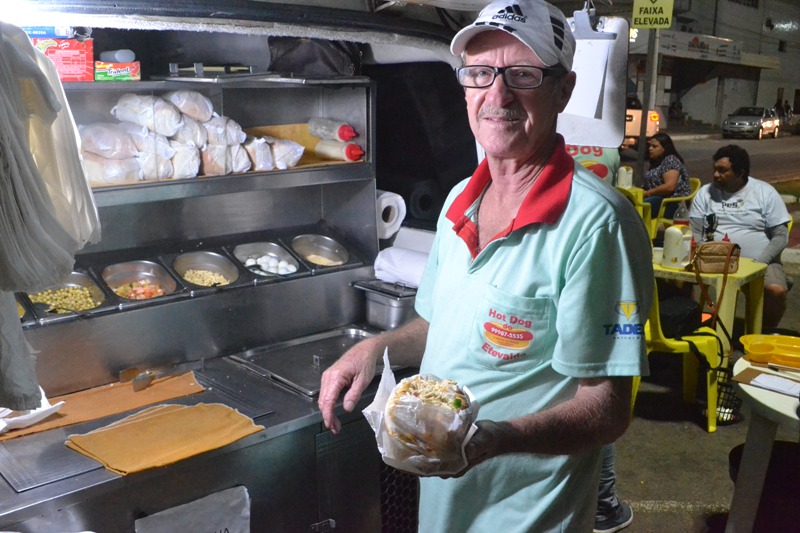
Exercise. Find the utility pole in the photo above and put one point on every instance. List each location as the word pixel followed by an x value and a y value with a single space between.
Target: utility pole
pixel 651 75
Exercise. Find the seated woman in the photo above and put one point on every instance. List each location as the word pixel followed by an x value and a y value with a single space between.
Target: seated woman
pixel 667 176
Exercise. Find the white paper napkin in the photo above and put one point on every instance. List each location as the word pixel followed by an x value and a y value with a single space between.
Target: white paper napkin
pixel 400 265
pixel 27 418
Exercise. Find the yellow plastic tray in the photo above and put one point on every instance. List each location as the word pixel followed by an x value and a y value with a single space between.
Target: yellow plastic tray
pixel 776 349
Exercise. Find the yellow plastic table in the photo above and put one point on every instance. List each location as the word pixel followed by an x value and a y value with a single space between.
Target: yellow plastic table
pixel 749 279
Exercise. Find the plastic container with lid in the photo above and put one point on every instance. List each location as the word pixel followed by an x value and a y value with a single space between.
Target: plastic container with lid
pixel 677 247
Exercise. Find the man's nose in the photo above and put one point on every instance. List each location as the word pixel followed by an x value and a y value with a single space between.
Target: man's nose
pixel 498 88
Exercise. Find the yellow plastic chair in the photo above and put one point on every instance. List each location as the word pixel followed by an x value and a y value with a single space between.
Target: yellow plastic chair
pixel 643 208
pixel 660 218
pixel 705 340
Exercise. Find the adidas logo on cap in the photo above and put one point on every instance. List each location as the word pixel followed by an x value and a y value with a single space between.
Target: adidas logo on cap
pixel 512 13
pixel 536 23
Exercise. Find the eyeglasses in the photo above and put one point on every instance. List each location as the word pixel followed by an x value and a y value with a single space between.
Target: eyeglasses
pixel 516 77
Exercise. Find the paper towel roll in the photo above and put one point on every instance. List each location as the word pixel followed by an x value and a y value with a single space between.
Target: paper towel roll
pixel 391 210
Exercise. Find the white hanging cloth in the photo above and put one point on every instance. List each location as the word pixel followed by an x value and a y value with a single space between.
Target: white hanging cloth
pixel 47 212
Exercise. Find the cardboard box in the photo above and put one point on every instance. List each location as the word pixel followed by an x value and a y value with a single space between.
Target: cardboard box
pixel 104 71
pixel 74 59
pixel 52 32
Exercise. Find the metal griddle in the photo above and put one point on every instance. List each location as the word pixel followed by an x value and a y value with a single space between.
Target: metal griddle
pixel 299 363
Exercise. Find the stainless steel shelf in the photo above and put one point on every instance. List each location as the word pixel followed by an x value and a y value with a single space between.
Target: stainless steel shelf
pixel 252 181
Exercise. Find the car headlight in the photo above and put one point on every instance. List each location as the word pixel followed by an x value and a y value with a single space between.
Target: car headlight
pixel 724 122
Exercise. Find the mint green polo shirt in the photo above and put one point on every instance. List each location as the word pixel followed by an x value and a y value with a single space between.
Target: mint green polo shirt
pixel 563 293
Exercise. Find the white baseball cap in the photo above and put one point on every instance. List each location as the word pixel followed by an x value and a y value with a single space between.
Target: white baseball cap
pixel 538 25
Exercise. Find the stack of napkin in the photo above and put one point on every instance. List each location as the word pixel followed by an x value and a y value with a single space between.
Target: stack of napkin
pixel 163 434
pixel 400 265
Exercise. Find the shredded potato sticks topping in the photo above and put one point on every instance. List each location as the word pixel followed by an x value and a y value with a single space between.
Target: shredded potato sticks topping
pixel 444 393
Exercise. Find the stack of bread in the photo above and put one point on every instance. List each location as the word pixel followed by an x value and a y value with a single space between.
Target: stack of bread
pixel 174 136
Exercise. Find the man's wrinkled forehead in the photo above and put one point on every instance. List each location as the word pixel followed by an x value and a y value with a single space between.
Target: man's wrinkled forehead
pixel 502 42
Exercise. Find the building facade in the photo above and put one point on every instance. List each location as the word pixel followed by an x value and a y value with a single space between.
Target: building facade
pixel 722 54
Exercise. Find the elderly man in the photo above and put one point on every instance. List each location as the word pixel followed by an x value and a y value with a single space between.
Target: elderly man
pixel 751 213
pixel 535 244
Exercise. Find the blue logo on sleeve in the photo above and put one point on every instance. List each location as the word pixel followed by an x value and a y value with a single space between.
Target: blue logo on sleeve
pixel 628 310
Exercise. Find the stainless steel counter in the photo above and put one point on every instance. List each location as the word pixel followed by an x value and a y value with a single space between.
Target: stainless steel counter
pixel 68 490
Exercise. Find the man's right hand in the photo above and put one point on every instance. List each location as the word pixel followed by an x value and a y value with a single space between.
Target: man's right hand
pixel 355 369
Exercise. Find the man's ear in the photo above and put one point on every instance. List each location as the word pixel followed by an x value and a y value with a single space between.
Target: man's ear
pixel 564 90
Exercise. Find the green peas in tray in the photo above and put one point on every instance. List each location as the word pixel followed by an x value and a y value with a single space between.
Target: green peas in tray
pixel 77 293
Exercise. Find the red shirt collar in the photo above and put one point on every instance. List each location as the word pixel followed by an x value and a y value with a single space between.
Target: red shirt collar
pixel 544 203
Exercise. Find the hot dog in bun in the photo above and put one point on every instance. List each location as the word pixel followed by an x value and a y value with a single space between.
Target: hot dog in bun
pixel 428 416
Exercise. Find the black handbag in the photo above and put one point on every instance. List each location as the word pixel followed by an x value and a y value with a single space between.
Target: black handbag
pixel 679 316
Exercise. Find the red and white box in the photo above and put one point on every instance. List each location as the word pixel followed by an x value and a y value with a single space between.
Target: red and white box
pixel 74 59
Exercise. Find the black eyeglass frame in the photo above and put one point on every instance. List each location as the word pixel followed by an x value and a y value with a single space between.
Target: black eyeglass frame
pixel 545 71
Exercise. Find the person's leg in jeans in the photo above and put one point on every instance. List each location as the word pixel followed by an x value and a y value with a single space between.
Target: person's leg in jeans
pixel 612 515
pixel 655 204
pixel 607 501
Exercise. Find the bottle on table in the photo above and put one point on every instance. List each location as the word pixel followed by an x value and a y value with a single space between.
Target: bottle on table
pixel 678 240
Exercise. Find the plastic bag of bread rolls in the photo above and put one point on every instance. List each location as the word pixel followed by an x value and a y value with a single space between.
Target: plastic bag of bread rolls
pixel 186 161
pixel 285 153
pixel 214 160
pixel 148 141
pixel 239 160
pixel 102 171
pixel 191 103
pixel 154 166
pixel 223 130
pixel 107 139
pixel 152 112
pixel 260 153
pixel 191 132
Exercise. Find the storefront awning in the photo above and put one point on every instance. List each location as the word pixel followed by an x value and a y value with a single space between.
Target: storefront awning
pixel 701 47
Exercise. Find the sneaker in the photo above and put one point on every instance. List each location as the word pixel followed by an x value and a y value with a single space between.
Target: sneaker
pixel 620 519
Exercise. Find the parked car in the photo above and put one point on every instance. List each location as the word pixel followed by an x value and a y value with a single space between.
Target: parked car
pixel 753 122
pixel 633 121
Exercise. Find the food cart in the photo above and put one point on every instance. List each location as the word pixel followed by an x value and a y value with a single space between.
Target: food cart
pixel 317 215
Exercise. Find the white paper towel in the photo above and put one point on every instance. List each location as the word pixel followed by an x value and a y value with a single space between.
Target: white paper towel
pixel 400 265
pixel 414 239
pixel 391 210
pixel 14 420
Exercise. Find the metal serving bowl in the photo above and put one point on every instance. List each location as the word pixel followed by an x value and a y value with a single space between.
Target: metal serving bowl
pixel 137 272
pixel 52 303
pixel 266 258
pixel 206 261
pixel 320 250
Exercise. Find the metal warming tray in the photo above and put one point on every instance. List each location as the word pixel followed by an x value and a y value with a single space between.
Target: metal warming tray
pixel 389 305
pixel 299 363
